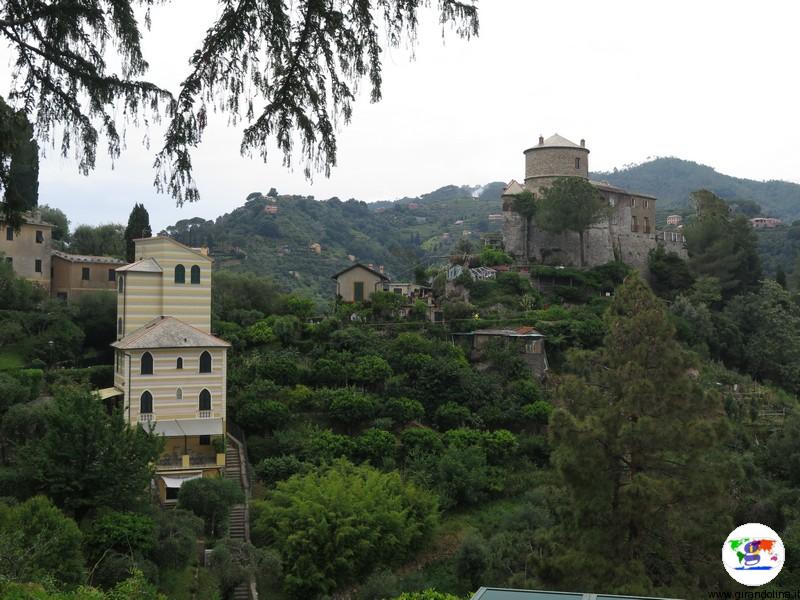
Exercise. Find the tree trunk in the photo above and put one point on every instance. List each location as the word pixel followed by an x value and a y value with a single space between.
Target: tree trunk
pixel 583 258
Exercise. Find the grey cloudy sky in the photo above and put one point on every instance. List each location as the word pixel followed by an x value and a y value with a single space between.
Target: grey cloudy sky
pixel 711 81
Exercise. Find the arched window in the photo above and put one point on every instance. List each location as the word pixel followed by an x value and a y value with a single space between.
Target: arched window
pixel 195 274
pixel 119 326
pixel 179 363
pixel 180 274
pixel 179 394
pixel 121 284
pixel 205 400
pixel 205 362
pixel 147 364
pixel 146 403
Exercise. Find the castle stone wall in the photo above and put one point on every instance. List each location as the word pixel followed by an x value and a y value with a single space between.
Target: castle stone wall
pixel 513 232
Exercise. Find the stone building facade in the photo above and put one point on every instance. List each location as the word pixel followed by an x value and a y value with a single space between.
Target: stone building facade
pixel 28 249
pixel 627 233
pixel 74 275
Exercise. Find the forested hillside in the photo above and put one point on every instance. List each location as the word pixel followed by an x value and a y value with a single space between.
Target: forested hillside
pixel 389 456
pixel 671 180
pixel 275 235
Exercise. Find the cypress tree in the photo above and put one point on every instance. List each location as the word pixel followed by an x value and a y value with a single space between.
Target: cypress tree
pixel 138 227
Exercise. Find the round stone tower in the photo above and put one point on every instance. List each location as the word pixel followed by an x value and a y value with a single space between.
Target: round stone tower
pixel 555 157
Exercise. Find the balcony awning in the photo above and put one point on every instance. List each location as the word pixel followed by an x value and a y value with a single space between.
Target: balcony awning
pixel 176 482
pixel 201 426
pixel 107 393
pixel 167 428
pixel 181 427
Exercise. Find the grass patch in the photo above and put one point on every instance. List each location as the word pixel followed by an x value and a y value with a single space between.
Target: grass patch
pixel 9 360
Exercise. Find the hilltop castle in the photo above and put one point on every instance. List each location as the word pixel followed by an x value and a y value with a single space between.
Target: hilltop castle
pixel 627 234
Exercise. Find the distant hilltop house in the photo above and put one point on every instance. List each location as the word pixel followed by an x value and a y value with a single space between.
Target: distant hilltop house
pixel 496 217
pixel 765 223
pixel 271 209
pixel 169 370
pixel 627 234
pixel 528 342
pixel 357 283
pixel 315 248
pixel 674 220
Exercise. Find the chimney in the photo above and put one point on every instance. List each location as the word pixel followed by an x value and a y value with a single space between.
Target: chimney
pixel 380 268
pixel 541 139
pixel 583 143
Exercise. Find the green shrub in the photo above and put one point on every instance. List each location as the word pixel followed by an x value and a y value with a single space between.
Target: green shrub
pixel 210 499
pixel 277 468
pixel 538 412
pixel 376 446
pixel 333 526
pixel 420 439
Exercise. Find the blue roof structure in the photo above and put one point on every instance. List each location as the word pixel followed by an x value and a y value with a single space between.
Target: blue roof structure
pixel 506 594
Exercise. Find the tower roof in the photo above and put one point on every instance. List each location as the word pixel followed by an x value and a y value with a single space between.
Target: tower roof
pixel 169 332
pixel 557 141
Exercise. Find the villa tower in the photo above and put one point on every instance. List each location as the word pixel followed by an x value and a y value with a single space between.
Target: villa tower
pixel 169 369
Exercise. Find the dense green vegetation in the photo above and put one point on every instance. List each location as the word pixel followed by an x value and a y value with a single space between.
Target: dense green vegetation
pixel 389 461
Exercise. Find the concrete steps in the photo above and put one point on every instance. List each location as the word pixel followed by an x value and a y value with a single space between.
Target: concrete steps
pixel 237 525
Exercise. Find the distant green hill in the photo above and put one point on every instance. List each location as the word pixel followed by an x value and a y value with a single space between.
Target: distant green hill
pixel 671 180
pixel 275 236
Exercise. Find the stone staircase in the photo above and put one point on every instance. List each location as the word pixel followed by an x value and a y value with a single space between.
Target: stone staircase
pixel 239 525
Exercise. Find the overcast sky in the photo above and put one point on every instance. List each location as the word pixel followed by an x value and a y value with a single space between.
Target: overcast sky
pixel 714 81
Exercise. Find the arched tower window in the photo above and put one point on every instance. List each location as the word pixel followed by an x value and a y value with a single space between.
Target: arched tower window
pixel 205 400
pixel 119 326
pixel 180 274
pixel 147 364
pixel 179 394
pixel 121 284
pixel 146 403
pixel 205 362
pixel 179 363
pixel 195 274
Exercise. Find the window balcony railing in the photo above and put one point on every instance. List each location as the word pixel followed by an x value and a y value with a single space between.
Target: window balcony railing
pixel 204 414
pixel 146 417
pixel 193 459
